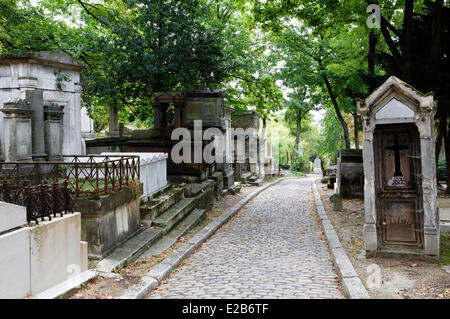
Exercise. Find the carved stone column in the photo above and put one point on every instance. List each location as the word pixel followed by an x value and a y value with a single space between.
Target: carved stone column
pixel 35 100
pixel 17 131
pixel 53 115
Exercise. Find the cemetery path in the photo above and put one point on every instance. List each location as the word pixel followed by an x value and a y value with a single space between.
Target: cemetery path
pixel 272 248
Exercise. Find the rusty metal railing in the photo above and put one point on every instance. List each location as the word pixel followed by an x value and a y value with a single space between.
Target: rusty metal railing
pixel 41 201
pixel 86 176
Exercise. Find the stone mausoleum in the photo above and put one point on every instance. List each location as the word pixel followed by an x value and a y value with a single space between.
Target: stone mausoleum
pixel 401 215
pixel 57 75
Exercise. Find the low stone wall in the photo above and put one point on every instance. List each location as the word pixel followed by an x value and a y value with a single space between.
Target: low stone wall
pixel 153 170
pixel 37 258
pixel 109 221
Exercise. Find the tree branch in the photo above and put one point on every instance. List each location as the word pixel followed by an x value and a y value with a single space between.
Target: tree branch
pixel 87 10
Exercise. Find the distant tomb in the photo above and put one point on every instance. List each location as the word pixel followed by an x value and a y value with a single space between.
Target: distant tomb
pixel 350 174
pixel 401 215
pixel 252 157
pixel 209 107
pixel 330 176
pixel 317 166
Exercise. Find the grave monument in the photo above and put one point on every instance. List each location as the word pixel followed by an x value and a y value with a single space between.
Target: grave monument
pixel 317 166
pixel 350 174
pixel 401 215
pixel 251 159
pixel 209 107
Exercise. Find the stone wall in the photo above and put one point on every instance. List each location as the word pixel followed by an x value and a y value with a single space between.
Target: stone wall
pixel 37 258
pixel 109 221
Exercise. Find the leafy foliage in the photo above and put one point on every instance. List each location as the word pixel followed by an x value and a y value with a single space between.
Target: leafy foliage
pixel 299 164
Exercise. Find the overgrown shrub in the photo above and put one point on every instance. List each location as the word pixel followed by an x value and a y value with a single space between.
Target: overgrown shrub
pixel 299 165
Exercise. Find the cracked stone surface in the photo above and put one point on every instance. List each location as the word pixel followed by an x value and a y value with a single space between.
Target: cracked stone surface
pixel 271 249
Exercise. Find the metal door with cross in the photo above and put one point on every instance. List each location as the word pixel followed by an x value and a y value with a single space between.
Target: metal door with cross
pixel 398 186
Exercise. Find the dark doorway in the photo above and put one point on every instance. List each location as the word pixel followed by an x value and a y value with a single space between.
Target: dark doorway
pixel 398 186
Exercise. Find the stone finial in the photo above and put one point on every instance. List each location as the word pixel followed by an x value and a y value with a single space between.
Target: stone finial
pixel 54 108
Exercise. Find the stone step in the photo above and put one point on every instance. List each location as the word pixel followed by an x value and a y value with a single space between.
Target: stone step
pixel 195 189
pixel 164 243
pixel 258 182
pixel 174 214
pixel 252 178
pixel 245 177
pixel 155 207
pixel 130 250
pixel 236 188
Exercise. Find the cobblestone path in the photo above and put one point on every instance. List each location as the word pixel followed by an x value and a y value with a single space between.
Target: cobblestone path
pixel 271 249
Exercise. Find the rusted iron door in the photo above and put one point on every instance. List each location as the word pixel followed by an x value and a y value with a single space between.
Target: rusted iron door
pixel 398 186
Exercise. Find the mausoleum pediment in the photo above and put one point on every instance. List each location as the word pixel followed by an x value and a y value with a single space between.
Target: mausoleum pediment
pixel 395 101
pixel 394 109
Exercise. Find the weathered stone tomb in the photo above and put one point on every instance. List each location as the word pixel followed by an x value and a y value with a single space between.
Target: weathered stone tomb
pixel 401 215
pixel 350 174
pixel 55 74
pixel 248 159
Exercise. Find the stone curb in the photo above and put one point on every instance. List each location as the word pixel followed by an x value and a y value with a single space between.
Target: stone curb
pixel 161 271
pixel 66 288
pixel 351 283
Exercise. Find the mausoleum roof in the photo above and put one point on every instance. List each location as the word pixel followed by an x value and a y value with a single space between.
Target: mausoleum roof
pixel 392 87
pixel 54 58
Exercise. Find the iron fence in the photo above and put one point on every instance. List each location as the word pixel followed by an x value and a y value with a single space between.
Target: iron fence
pixel 47 189
pixel 86 176
pixel 41 201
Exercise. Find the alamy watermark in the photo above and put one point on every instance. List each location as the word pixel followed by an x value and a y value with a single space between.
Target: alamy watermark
pixel 374 19
pixel 223 146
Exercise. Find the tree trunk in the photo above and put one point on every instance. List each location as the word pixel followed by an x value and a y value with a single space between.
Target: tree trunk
pixel 447 152
pixel 439 137
pixel 299 127
pixel 159 43
pixel 263 133
pixel 356 130
pixel 407 43
pixel 338 112
pixel 436 36
pixel 434 61
pixel 441 130
pixel 373 39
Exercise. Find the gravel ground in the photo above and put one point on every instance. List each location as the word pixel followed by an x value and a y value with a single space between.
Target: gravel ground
pixel 400 278
pixel 273 248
